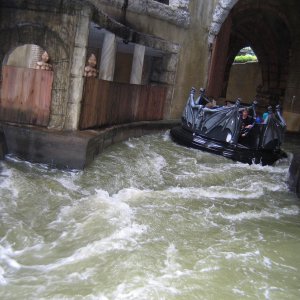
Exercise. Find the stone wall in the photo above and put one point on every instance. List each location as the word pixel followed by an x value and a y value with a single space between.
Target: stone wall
pixel 184 31
pixel 243 81
pixel 179 30
pixel 177 12
pixel 52 26
pixel 186 67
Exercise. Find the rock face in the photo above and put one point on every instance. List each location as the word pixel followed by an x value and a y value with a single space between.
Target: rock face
pixel 294 175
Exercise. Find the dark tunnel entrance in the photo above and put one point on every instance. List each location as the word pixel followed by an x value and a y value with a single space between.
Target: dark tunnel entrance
pixel 264 26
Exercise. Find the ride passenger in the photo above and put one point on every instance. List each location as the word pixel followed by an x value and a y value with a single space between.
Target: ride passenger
pixel 265 117
pixel 258 120
pixel 247 122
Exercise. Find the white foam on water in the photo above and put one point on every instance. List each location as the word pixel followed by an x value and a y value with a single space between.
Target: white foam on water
pixel 7 182
pixel 241 256
pixel 30 165
pixel 144 289
pixel 209 269
pixel 121 239
pixel 67 181
pixel 217 193
pixel 107 225
pixel 166 136
pixel 264 213
pixel 238 292
pixel 155 285
pixel 80 276
pixel 269 289
pixel 3 281
pixel 130 144
pixel 267 262
pixel 150 166
pixel 7 263
pixel 274 169
pixel 171 265
pixel 125 231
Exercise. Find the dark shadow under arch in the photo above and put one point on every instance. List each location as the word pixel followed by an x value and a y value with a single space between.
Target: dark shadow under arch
pixel 263 27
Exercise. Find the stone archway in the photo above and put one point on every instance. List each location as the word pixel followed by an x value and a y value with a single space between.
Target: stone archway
pixel 262 25
pixel 220 14
pixel 38 34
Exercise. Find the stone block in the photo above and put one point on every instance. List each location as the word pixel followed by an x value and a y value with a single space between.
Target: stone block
pixel 56 121
pixel 76 87
pixel 78 62
pixel 170 62
pixel 72 117
pixel 59 150
pixel 227 4
pixel 167 77
pixel 82 31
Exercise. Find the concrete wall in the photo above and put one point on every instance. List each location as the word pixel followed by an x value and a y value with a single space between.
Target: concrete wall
pixel 243 81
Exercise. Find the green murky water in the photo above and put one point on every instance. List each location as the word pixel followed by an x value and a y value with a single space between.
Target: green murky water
pixel 149 220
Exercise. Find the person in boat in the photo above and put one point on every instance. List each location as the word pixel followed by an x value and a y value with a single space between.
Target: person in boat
pixel 258 120
pixel 228 103
pixel 212 104
pixel 247 122
pixel 265 117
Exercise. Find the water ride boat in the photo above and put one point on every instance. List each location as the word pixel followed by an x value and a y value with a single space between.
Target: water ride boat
pixel 223 131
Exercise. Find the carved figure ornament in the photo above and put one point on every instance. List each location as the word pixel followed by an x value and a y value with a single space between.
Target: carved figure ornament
pixel 43 64
pixel 90 68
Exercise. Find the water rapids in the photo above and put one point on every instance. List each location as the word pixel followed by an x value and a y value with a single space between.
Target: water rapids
pixel 149 219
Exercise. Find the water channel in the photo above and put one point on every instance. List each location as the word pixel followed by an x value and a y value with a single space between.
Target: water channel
pixel 149 219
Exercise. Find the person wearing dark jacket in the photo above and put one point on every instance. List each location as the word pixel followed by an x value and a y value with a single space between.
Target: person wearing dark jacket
pixel 247 122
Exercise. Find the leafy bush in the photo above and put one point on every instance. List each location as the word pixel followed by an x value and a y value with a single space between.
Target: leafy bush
pixel 245 58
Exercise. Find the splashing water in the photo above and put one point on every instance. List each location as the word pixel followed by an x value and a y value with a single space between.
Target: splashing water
pixel 149 220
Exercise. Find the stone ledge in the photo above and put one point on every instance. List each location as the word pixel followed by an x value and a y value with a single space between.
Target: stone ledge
pixel 71 149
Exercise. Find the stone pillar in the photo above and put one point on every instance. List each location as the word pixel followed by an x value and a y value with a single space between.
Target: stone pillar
pixel 108 57
pixel 77 68
pixel 137 64
pixel 216 72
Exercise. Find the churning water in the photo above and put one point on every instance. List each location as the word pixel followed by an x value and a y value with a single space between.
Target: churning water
pixel 149 220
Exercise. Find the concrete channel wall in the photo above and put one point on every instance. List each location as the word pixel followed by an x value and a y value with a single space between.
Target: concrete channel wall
pixel 70 149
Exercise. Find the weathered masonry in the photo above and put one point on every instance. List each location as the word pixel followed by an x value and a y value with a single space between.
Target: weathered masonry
pixel 69 31
pixel 149 54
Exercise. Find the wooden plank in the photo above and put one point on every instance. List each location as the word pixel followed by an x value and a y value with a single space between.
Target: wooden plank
pixel 89 111
pixel 26 95
pixel 117 103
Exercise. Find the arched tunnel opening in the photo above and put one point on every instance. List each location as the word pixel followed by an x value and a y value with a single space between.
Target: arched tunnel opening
pixel 263 26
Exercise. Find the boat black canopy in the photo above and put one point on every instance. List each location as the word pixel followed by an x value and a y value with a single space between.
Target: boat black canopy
pixel 218 129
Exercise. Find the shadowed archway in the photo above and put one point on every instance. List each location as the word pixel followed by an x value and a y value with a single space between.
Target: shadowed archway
pixel 262 25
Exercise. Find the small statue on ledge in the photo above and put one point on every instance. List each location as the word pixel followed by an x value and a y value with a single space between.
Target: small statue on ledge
pixel 90 70
pixel 43 64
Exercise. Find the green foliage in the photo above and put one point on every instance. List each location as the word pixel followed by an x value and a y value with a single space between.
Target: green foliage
pixel 245 58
